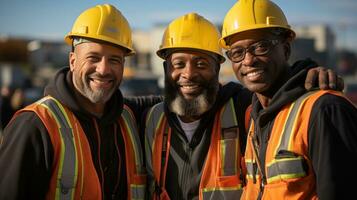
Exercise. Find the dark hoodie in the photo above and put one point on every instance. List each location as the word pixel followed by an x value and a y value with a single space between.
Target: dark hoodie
pixel 332 134
pixel 26 153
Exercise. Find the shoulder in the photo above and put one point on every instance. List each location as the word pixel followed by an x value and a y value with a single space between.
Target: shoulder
pixel 333 108
pixel 27 131
pixel 331 100
pixel 25 123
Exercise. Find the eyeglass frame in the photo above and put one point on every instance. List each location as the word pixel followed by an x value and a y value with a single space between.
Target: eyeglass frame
pixel 251 49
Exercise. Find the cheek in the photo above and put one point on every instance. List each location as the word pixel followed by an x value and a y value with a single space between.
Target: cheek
pixel 119 74
pixel 236 69
pixel 173 74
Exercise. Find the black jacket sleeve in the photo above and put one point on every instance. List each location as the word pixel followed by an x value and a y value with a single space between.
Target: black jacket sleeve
pixel 25 159
pixel 140 104
pixel 333 147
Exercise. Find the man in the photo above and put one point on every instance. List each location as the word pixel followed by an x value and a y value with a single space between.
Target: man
pixel 196 137
pixel 80 141
pixel 301 145
pixel 186 155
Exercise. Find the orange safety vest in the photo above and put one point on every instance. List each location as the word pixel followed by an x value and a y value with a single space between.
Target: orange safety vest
pixel 73 173
pixel 288 169
pixel 222 170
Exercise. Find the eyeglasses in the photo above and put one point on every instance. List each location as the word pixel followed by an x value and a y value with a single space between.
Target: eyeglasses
pixel 260 48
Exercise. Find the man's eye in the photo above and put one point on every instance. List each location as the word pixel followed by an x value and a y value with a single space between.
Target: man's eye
pixel 202 64
pixel 116 61
pixel 261 47
pixel 93 58
pixel 237 52
pixel 178 64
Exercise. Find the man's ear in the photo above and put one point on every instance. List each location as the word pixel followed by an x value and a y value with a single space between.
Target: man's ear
pixel 218 67
pixel 287 50
pixel 166 65
pixel 72 59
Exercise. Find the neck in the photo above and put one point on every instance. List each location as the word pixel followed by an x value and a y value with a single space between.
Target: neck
pixel 97 109
pixel 266 96
pixel 188 119
pixel 264 100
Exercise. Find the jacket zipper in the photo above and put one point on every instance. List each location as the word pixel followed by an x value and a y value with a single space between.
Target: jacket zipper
pixel 259 165
pixel 99 158
pixel 119 161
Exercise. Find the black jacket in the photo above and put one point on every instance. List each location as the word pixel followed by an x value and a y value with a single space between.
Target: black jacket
pixel 332 136
pixel 186 160
pixel 26 152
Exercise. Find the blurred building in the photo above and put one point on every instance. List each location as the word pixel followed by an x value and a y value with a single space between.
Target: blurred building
pixel 346 63
pixel 13 50
pixel 48 54
pixel 316 42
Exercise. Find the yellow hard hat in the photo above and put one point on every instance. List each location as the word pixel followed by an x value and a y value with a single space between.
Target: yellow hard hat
pixel 248 15
pixel 191 31
pixel 105 23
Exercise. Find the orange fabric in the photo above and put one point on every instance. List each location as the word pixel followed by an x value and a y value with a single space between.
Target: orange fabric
pixel 211 175
pixel 160 178
pixel 91 189
pixel 286 188
pixel 247 117
pixel 133 176
pixel 87 180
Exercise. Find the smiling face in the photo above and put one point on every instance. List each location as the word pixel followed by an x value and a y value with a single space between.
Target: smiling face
pixel 259 73
pixel 97 70
pixel 191 82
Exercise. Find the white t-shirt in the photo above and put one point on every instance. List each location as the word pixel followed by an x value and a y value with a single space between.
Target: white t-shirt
pixel 189 128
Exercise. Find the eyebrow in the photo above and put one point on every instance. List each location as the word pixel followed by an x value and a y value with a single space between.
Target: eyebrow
pixel 194 58
pixel 98 54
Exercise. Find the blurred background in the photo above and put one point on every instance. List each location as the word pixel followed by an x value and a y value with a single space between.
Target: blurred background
pixel 32 46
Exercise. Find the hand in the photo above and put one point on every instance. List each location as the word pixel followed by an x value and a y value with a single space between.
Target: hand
pixel 324 79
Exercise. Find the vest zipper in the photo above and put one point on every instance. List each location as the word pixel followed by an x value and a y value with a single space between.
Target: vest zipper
pixel 255 147
pixel 119 161
pixel 99 158
pixel 82 171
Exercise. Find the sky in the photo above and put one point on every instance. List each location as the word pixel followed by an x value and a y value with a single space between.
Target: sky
pixel 51 20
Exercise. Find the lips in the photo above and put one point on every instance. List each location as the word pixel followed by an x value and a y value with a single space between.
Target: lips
pixel 254 75
pixel 190 88
pixel 102 83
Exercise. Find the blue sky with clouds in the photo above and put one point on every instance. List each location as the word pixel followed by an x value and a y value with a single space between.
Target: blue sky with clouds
pixel 53 19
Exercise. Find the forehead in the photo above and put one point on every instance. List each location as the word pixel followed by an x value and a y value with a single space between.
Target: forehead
pixel 191 54
pixel 250 36
pixel 101 48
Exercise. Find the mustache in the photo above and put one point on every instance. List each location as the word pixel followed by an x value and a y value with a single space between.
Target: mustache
pixel 97 75
pixel 188 83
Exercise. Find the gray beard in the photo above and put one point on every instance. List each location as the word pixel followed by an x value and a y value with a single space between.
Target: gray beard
pixel 190 108
pixel 98 96
pixel 195 107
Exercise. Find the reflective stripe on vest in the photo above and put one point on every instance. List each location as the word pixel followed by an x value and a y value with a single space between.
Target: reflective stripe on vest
pixel 68 166
pixel 288 167
pixel 289 170
pixel 229 140
pixel 228 149
pixel 137 190
pixel 68 161
pixel 282 168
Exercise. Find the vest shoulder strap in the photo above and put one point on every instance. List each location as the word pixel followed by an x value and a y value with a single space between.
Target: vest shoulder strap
pixel 68 162
pixel 157 135
pixel 129 122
